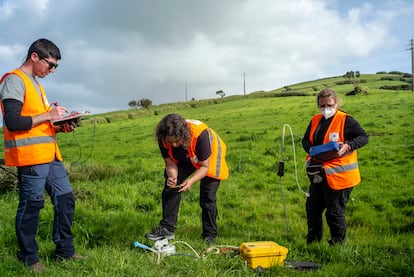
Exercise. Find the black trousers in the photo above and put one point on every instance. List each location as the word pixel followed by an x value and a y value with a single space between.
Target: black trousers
pixel 334 201
pixel 171 199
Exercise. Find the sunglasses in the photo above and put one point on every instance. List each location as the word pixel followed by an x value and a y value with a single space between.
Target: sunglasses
pixel 50 64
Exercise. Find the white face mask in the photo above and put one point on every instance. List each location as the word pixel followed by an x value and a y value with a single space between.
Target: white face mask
pixel 327 112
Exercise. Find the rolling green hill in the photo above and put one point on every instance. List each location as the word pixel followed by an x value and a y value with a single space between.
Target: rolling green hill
pixel 368 82
pixel 116 172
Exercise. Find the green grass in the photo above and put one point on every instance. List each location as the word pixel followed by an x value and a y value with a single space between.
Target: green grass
pixel 116 172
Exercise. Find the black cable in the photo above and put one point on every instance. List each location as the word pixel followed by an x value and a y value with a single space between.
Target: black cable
pixel 78 162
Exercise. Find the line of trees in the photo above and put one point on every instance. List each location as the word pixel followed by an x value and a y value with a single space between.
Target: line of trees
pixel 353 77
pixel 145 103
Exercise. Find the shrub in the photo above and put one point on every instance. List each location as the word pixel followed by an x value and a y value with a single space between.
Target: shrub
pixel 399 87
pixel 396 72
pixel 145 103
pixel 388 78
pixel 345 82
pixel 8 178
pixel 291 93
pixel 358 90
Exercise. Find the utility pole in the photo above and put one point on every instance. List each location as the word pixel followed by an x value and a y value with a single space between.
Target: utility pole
pixel 244 83
pixel 185 92
pixel 412 63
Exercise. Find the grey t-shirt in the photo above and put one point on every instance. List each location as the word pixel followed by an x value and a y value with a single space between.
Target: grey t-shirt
pixel 12 87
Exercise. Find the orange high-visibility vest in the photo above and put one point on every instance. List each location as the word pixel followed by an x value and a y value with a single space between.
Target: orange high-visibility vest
pixel 341 172
pixel 37 145
pixel 218 167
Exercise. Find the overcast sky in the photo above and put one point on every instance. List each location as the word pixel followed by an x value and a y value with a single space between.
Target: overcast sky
pixel 115 51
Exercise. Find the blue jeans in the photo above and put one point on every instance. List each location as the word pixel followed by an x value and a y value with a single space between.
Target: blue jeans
pixel 33 181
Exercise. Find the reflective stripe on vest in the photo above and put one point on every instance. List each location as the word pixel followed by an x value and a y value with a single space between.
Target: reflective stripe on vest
pixel 340 169
pixel 27 141
pixel 219 153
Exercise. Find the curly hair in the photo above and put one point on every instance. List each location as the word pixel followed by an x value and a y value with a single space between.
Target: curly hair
pixel 173 125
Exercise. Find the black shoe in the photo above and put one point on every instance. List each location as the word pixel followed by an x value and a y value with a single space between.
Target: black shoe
pixel 159 233
pixel 333 241
pixel 210 240
pixel 311 239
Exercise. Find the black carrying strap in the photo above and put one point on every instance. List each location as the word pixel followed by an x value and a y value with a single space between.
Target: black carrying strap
pixel 326 156
pixel 302 266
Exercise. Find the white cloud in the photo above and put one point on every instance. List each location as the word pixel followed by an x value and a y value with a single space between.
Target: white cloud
pixel 116 51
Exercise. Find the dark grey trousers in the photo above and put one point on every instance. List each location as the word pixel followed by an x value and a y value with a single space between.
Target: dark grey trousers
pixel 171 199
pixel 334 201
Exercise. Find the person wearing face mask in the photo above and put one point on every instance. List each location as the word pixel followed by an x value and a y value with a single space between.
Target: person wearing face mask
pixel 333 179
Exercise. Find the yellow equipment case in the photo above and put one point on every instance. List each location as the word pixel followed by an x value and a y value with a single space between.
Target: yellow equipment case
pixel 264 254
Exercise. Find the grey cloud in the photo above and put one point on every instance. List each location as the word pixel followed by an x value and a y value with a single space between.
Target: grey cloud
pixel 117 51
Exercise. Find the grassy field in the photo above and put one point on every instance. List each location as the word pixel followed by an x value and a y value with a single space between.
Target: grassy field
pixel 116 172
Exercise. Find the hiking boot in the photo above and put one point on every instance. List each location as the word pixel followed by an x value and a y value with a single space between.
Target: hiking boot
pixel 37 267
pixel 159 233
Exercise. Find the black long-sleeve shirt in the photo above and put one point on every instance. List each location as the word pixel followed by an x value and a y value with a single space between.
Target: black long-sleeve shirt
pixel 354 134
pixel 13 118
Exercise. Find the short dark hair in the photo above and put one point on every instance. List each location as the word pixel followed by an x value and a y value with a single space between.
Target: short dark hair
pixel 44 48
